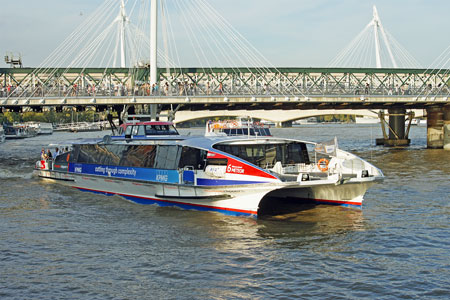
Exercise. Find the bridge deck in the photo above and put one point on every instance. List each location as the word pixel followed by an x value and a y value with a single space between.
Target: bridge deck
pixel 233 88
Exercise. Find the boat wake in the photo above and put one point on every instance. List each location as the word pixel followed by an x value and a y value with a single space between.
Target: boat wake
pixel 8 174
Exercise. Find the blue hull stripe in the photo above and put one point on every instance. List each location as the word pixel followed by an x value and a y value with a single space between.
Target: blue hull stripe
pixel 163 203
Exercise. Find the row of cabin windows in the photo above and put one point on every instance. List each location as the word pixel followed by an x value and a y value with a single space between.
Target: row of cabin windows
pixel 244 131
pixel 266 155
pixel 151 130
pixel 142 156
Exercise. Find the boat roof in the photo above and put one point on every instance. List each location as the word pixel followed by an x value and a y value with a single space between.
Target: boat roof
pixel 147 123
pixel 202 142
pixel 208 142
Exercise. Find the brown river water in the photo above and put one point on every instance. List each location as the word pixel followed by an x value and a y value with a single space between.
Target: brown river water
pixel 60 243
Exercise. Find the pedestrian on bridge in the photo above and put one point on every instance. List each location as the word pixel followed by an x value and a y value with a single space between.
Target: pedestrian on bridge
pixel 166 89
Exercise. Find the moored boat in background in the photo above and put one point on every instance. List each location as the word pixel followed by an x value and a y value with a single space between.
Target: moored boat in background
pixel 366 120
pixel 41 127
pixel 19 131
pixel 45 128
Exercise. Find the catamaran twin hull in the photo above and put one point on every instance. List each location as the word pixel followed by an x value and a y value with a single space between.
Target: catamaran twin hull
pixel 200 173
pixel 237 199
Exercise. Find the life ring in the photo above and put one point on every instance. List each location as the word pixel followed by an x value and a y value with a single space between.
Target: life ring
pixel 322 164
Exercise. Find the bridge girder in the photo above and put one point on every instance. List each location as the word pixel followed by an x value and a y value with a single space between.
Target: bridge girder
pixel 226 88
pixel 278 116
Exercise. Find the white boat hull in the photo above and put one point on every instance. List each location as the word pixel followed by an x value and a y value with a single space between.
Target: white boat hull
pixel 233 200
pixel 349 194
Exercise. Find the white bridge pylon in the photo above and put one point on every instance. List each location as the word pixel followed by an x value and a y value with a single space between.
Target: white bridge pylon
pixel 378 27
pixel 374 47
pixel 123 20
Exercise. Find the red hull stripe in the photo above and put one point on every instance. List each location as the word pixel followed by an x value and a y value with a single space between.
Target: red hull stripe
pixel 338 202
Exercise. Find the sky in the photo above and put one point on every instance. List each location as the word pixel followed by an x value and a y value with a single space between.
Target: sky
pixel 289 33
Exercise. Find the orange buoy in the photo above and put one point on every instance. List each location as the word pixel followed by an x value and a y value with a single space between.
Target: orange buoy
pixel 322 164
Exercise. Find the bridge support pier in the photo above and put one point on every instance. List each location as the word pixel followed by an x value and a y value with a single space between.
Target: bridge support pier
pixel 286 124
pixel 397 135
pixel 435 127
pixel 447 127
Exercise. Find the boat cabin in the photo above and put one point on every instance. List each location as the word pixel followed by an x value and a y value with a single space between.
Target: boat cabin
pixel 150 128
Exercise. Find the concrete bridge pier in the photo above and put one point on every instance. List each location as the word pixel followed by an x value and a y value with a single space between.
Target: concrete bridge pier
pixel 396 126
pixel 286 124
pixel 435 127
pixel 447 127
pixel 281 124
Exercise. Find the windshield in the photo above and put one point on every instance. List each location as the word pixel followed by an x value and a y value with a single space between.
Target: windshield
pixel 266 155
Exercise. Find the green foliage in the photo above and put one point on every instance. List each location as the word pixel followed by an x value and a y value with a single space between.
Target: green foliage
pixel 50 116
pixel 336 118
pixel 10 117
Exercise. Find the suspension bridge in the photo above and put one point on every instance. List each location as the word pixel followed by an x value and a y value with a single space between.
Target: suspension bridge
pixel 374 72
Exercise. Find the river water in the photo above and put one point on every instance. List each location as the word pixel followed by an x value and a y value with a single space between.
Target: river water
pixel 60 243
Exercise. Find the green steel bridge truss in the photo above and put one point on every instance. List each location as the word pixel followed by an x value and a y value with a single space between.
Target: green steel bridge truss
pixel 214 87
pixel 228 81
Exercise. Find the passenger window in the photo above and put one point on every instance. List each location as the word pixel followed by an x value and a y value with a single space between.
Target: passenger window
pixel 167 157
pixel 192 157
pixel 217 161
pixel 63 158
pixel 149 130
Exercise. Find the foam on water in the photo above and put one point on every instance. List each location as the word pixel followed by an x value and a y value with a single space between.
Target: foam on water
pixel 10 174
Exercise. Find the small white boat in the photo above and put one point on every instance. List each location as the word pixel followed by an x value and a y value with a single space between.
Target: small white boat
pixel 414 122
pixel 422 122
pixel 87 127
pixel 41 128
pixel 366 120
pixel 247 174
pixel 45 128
pixel 307 121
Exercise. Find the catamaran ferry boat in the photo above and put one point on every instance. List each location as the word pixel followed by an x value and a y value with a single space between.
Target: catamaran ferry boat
pixel 233 174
